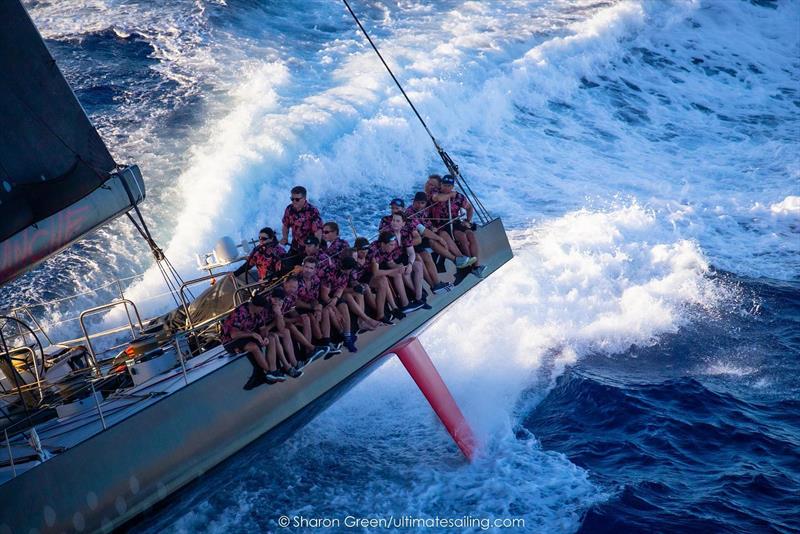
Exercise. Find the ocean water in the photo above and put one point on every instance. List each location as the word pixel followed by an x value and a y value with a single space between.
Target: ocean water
pixel 634 368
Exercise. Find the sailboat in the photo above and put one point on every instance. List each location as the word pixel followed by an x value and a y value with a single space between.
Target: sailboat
pixel 90 439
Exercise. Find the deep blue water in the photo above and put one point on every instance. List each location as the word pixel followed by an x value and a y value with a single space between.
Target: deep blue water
pixel 635 368
pixel 680 449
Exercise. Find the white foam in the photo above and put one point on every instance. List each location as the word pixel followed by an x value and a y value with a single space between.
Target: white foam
pixel 728 369
pixel 789 206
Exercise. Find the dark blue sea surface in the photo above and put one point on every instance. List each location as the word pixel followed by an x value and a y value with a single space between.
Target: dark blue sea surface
pixel 680 442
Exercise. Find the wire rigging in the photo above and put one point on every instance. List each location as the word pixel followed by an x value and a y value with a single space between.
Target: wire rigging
pixel 452 168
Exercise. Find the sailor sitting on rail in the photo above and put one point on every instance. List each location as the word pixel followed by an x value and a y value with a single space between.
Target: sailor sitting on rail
pixel 440 242
pixel 333 282
pixel 389 261
pixel 422 247
pixel 299 324
pixel 375 290
pixel 243 332
pixel 277 328
pixel 446 205
pixel 308 294
pixel 407 236
pixel 302 218
pixel 266 257
pixel 355 291
pixel 417 229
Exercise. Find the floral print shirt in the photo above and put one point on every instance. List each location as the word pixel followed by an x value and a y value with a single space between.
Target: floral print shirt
pixel 242 319
pixel 438 210
pixel 267 260
pixel 302 223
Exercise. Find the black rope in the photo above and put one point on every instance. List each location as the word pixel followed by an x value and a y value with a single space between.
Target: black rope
pixel 452 168
pixel 172 279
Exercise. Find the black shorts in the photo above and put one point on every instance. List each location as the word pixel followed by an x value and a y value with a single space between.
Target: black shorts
pixel 340 300
pixel 461 226
pixel 366 278
pixel 236 346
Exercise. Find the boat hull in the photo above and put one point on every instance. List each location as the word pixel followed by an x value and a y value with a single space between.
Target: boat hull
pixel 118 473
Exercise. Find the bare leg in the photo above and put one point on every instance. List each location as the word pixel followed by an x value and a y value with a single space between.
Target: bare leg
pixel 281 355
pixel 356 305
pixel 443 250
pixel 315 318
pixel 301 338
pixel 344 317
pixel 306 326
pixel 272 357
pixel 431 276
pixel 326 323
pixel 463 242
pixel 474 249
pixel 399 289
pixel 451 245
pixel 380 296
pixel 416 276
pixel 258 355
pixel 288 347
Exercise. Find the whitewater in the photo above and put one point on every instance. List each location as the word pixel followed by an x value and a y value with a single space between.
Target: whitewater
pixel 644 159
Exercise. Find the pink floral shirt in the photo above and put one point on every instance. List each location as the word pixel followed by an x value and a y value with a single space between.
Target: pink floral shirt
pixel 302 223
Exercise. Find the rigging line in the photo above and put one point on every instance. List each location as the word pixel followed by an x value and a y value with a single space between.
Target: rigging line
pixel 448 161
pixel 364 31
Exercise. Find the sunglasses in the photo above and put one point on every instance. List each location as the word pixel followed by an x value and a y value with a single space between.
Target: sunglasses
pixel 295 199
pixel 262 238
pixel 327 231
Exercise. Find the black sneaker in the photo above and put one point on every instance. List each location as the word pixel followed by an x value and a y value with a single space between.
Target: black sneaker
pixel 440 287
pixel 386 320
pixel 425 306
pixel 269 379
pixel 319 352
pixel 412 306
pixel 335 348
pixel 398 314
pixel 275 376
pixel 255 380
pixel 294 372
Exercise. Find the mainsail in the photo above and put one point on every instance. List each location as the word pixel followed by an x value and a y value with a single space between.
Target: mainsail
pixel 57 178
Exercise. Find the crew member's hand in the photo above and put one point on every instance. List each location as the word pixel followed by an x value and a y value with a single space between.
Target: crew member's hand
pixel 283 241
pixel 407 269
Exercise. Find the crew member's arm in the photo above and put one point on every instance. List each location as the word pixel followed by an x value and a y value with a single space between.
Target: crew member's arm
pixel 285 228
pixel 470 211
pixel 239 334
pixel 377 271
pixel 412 255
pixel 280 324
pixel 325 296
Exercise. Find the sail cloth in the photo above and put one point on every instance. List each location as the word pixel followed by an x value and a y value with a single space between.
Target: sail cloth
pixel 57 178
